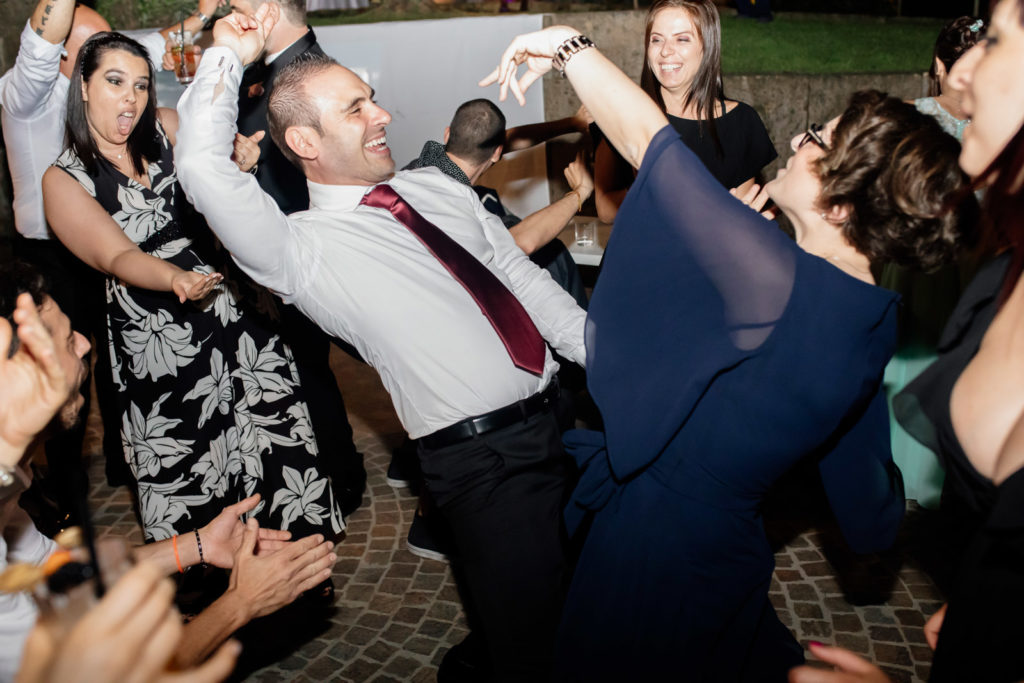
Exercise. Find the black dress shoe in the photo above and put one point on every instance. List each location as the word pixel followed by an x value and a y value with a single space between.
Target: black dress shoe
pixel 466 662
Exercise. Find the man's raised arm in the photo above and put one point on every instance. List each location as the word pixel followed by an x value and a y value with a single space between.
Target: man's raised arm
pixel 246 220
pixel 27 85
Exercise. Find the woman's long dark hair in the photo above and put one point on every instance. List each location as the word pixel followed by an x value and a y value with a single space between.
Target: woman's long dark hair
pixel 143 142
pixel 706 91
pixel 1003 205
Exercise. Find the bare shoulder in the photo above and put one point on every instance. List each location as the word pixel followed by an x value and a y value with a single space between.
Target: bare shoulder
pixel 169 120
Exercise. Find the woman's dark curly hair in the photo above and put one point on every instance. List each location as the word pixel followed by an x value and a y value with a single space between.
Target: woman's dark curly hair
pixel 955 38
pixel 895 170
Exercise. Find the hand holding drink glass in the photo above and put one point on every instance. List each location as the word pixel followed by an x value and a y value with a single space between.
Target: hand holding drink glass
pixel 184 55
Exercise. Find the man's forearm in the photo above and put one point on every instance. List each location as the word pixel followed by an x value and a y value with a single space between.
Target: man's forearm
pixel 540 227
pixel 51 19
pixel 210 628
pixel 162 553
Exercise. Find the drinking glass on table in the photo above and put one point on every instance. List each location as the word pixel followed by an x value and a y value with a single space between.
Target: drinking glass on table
pixel 586 233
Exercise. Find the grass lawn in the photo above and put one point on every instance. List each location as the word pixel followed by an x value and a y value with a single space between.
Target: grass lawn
pixel 829 44
pixel 796 44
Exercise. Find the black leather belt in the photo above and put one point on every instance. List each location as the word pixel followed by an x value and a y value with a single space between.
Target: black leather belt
pixel 471 427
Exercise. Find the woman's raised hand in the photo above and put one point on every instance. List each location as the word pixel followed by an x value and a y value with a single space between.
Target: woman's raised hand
pixel 193 285
pixel 533 49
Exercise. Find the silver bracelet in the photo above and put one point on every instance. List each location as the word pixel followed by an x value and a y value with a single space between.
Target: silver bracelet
pixel 204 20
pixel 567 49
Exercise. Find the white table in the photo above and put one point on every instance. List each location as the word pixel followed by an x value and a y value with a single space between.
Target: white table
pixel 591 254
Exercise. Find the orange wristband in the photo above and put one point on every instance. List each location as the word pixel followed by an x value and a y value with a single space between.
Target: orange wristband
pixel 177 560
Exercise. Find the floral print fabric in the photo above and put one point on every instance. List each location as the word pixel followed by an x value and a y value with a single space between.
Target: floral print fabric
pixel 210 399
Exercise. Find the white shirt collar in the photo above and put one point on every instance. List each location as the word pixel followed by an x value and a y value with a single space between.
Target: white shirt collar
pixel 335 197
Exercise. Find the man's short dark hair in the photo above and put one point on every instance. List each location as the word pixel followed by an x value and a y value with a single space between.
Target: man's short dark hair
pixel 477 129
pixel 290 104
pixel 294 10
pixel 15 279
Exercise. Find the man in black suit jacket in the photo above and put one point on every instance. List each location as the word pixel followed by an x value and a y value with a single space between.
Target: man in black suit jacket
pixel 289 40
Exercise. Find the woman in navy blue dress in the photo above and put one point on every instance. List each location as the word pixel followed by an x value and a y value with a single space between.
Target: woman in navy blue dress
pixel 720 353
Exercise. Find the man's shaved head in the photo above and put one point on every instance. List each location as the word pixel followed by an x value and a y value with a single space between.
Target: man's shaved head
pixel 86 23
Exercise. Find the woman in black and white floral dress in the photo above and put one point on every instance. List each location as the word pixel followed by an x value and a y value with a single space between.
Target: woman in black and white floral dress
pixel 211 405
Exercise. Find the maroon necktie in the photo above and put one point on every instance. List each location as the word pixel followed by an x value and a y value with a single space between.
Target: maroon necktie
pixel 506 315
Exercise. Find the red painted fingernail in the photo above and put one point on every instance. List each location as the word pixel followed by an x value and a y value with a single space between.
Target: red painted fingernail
pixel 815 643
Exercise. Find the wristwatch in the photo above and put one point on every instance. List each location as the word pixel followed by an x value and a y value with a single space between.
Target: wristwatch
pixel 567 49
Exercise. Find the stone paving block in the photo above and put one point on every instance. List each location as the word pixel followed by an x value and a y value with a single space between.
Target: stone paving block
pixel 373 621
pixel 909 617
pixel 914 635
pixel 886 653
pixel 848 623
pixel 427 582
pixel 801 591
pixel 876 615
pixel 358 635
pixel 409 615
pixel 379 651
pixel 898 675
pixel 805 556
pixel 815 628
pixel 422 645
pixel 394 586
pixel 434 628
pixel 323 669
pixel 397 633
pixel 807 610
pixel 403 667
pixel 360 670
pixel 855 642
pixel 889 634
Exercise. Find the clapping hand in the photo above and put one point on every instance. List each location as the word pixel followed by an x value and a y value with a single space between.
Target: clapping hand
pixel 262 584
pixel 244 34
pixel 223 536
pixel 579 178
pixel 533 49
pixel 35 385
pixel 193 285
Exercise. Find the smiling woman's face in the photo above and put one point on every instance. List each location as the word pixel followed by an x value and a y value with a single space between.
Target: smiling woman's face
pixel 674 50
pixel 991 76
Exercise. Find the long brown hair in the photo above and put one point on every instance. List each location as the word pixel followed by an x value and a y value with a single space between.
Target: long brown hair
pixel 706 90
pixel 1003 205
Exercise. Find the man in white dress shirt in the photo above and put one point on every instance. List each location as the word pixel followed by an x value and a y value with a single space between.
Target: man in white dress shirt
pixel 490 448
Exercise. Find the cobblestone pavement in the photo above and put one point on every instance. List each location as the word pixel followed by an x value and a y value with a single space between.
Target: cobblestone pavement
pixel 396 614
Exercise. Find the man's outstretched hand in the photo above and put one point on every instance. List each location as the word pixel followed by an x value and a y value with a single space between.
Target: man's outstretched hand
pixel 246 35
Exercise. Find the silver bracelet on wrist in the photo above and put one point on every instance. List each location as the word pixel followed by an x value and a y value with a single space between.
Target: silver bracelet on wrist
pixel 203 19
pixel 567 49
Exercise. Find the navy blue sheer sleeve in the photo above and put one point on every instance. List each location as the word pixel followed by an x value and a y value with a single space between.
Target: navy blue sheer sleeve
pixel 713 278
